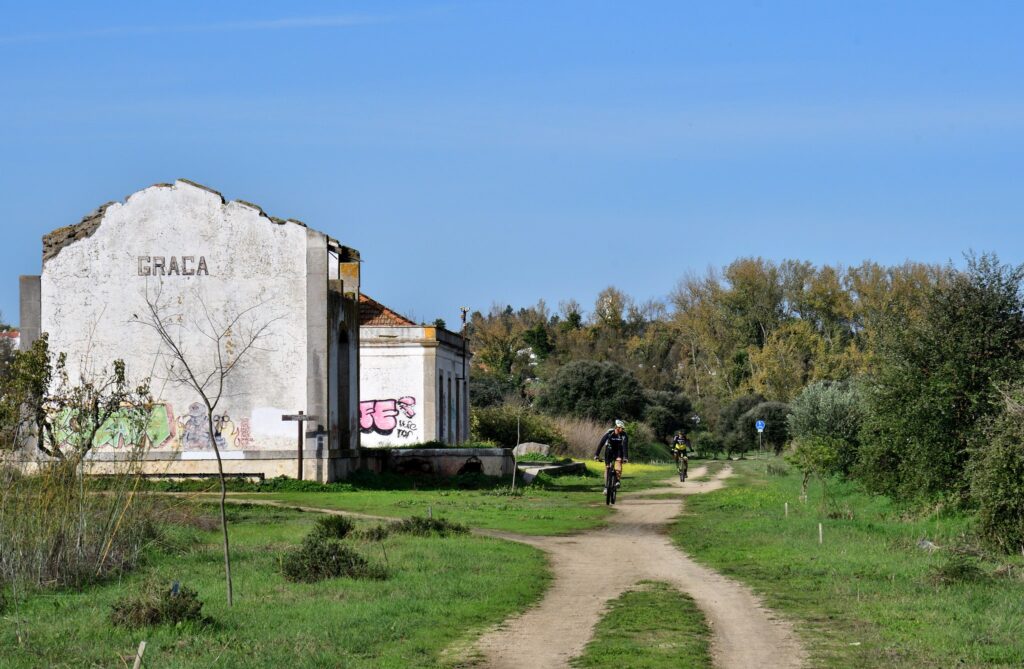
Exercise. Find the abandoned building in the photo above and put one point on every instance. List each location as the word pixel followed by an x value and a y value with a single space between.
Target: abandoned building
pixel 284 296
pixel 413 377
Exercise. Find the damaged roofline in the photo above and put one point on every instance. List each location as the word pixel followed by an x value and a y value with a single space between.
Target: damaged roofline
pixel 57 240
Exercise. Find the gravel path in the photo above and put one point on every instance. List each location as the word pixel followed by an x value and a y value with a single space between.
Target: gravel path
pixel 591 568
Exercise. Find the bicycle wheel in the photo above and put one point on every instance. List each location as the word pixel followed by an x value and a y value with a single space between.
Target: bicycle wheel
pixel 609 486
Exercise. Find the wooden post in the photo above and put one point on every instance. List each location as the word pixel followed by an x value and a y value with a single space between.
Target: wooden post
pixel 138 655
pixel 300 418
pixel 821 536
pixel 787 509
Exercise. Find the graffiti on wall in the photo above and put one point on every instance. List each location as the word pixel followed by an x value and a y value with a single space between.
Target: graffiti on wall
pixel 163 430
pixel 388 416
pixel 120 430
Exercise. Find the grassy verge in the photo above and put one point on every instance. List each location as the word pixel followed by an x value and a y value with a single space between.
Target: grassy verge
pixel 441 591
pixel 869 596
pixel 652 627
pixel 551 506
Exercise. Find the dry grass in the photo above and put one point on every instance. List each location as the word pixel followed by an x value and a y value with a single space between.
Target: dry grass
pixel 581 435
pixel 57 529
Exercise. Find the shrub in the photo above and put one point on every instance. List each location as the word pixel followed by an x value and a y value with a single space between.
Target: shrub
pixel 830 409
pixel 318 559
pixel 667 412
pixel 957 569
pixel 487 390
pixel 737 435
pixel 419 526
pixel 996 474
pixel 332 527
pixel 501 425
pixel 158 605
pixel 597 390
pixel 643 445
pixel 708 444
pixel 816 456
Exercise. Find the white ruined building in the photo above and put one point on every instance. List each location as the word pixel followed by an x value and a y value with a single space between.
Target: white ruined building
pixel 206 260
pixel 412 380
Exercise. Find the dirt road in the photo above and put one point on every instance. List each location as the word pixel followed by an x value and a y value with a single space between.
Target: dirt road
pixel 591 568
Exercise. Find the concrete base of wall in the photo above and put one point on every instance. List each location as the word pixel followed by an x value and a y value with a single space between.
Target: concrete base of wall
pixel 339 465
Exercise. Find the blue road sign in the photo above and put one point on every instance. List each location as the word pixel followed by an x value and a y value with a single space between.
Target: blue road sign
pixel 759 425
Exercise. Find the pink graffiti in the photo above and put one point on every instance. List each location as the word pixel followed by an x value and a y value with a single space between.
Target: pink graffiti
pixel 380 416
pixel 408 406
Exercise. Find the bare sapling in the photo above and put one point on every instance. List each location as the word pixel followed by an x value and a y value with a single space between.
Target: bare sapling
pixel 226 339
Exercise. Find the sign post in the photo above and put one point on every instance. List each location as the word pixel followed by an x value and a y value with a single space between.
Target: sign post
pixel 300 418
pixel 760 424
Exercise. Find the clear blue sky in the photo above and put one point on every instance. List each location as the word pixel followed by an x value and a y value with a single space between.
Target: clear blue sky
pixel 481 152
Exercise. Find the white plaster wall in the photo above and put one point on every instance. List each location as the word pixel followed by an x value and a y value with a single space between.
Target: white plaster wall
pixel 92 293
pixel 388 373
pixel 449 367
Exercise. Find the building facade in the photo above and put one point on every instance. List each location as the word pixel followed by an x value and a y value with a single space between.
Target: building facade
pixel 413 380
pixel 281 297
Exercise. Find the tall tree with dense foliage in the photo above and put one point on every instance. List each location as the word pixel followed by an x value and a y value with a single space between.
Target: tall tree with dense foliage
pixel 936 378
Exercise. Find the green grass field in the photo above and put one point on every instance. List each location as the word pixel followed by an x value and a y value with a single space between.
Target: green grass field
pixel 868 596
pixel 651 627
pixel 551 506
pixel 442 591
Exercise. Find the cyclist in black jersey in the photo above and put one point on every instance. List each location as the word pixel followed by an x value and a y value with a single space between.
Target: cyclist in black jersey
pixel 616 444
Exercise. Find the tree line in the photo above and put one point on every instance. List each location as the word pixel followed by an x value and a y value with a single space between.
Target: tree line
pixel 909 378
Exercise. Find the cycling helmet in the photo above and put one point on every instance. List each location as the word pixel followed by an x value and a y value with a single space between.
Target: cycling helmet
pixel 619 423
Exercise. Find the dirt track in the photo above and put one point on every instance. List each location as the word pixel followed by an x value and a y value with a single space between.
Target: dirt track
pixel 594 567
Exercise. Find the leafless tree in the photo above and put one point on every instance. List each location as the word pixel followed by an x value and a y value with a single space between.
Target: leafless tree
pixel 232 336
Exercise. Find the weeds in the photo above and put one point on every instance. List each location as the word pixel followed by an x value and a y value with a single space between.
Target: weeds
pixel 158 605
pixel 417 526
pixel 318 559
pixel 332 527
pixel 955 570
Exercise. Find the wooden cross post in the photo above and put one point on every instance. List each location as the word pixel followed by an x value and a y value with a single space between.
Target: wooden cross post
pixel 300 418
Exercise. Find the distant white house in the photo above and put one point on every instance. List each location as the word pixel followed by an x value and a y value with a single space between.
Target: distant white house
pixel 12 336
pixel 412 380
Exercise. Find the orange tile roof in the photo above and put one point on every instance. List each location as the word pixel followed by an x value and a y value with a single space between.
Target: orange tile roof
pixel 374 314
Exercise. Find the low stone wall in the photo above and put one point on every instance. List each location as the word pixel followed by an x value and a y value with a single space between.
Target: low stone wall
pixel 443 462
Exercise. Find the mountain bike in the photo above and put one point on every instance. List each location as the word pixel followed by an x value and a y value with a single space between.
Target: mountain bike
pixel 682 466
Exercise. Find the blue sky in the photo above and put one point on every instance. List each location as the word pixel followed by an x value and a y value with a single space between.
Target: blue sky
pixel 501 152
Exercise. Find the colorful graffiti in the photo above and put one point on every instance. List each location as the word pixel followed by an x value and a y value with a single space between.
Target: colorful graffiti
pixel 386 416
pixel 120 430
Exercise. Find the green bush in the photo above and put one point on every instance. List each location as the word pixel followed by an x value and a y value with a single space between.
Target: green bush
pixel 996 474
pixel 158 605
pixel 488 390
pixel 708 444
pixel 419 526
pixel 643 445
pixel 667 413
pixel 597 390
pixel 500 424
pixel 734 429
pixel 332 527
pixel 318 559
pixel 830 409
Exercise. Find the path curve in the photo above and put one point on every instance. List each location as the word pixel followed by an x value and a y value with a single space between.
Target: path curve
pixel 591 568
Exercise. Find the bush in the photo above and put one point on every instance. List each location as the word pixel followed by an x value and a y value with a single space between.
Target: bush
pixel 996 474
pixel 643 445
pixel 957 569
pixel 596 390
pixel 500 425
pixel 667 413
pixel 737 435
pixel 332 527
pixel 487 390
pixel 830 409
pixel 318 559
pixel 708 444
pixel 419 526
pixel 158 605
